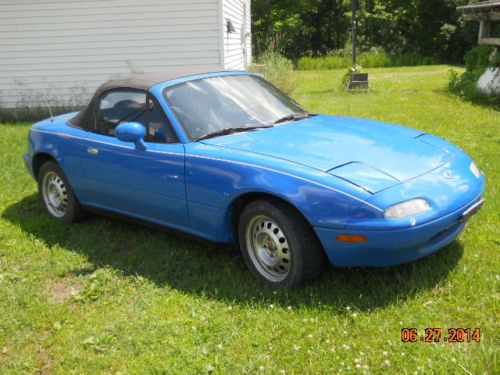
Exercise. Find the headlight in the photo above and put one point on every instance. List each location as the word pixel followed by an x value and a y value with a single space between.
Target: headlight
pixel 408 208
pixel 474 169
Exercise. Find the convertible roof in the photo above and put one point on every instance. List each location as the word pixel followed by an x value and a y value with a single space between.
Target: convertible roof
pixel 143 81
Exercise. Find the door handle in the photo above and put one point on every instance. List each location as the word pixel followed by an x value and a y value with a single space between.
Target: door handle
pixel 92 151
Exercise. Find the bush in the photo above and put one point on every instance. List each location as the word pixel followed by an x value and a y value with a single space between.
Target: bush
pixel 478 59
pixel 342 59
pixel 276 68
pixel 465 85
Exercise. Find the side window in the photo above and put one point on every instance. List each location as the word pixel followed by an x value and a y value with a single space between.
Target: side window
pixel 158 128
pixel 118 106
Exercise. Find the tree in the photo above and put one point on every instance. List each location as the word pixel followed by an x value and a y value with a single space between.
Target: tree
pixel 315 27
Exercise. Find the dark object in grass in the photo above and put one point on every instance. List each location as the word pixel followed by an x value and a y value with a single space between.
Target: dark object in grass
pixel 358 81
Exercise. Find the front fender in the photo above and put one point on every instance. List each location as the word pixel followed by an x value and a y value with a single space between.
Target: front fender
pixel 216 177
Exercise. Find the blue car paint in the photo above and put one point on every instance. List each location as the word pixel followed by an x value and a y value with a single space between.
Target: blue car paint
pixel 444 194
pixel 132 132
pixel 340 173
pixel 326 142
pixel 216 176
pixel 368 178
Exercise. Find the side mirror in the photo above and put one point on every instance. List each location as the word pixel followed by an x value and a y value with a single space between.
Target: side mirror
pixel 131 132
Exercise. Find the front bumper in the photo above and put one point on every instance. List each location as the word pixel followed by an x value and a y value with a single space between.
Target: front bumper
pixel 392 247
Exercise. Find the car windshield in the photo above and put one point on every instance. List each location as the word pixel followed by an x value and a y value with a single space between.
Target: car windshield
pixel 217 105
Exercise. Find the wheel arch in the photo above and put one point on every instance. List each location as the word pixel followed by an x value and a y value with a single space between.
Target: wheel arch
pixel 38 160
pixel 239 203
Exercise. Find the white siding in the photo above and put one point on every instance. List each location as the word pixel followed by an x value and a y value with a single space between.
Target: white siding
pixel 60 50
pixel 237 45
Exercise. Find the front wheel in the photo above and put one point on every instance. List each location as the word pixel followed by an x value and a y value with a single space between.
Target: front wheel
pixel 278 245
pixel 56 196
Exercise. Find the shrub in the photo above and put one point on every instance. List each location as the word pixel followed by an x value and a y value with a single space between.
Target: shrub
pixel 478 59
pixel 465 85
pixel 276 69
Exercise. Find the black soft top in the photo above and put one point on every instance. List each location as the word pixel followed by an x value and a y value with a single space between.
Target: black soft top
pixel 143 81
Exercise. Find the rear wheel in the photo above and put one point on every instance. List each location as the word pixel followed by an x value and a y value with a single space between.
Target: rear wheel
pixel 278 245
pixel 56 196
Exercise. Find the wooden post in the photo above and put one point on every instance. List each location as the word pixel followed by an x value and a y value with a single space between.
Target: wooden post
pixel 484 30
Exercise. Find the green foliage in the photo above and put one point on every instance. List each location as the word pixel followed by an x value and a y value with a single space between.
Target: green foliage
pixel 478 58
pixel 375 59
pixel 277 69
pixel 156 303
pixel 403 27
pixel 465 84
pixel 347 76
pixel 323 63
pixel 308 26
pixel 99 283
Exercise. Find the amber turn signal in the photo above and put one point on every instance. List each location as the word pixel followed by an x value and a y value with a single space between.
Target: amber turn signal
pixel 351 238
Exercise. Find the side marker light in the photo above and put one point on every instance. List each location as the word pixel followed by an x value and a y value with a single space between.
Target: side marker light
pixel 351 238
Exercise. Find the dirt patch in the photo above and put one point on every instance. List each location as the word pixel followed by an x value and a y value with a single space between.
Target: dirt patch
pixel 44 359
pixel 59 291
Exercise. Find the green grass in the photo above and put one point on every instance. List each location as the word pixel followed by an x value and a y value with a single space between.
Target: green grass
pixel 365 59
pixel 105 296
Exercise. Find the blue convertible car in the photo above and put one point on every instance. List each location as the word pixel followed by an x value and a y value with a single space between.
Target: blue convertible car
pixel 228 157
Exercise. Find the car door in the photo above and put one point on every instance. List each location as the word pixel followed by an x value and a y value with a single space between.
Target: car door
pixel 148 184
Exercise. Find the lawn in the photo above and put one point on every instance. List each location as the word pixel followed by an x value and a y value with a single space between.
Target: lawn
pixel 107 296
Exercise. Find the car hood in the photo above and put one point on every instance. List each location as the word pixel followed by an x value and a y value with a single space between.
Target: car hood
pixel 370 154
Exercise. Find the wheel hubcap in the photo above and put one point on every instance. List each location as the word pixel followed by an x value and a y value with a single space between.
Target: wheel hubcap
pixel 268 248
pixel 55 194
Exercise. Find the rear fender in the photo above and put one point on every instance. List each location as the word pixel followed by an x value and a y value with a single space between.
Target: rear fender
pixel 66 145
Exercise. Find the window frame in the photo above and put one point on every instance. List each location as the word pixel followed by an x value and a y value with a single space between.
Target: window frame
pixel 149 96
pixel 167 121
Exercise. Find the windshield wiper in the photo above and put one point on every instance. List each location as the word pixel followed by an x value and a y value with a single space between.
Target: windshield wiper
pixel 227 131
pixel 294 117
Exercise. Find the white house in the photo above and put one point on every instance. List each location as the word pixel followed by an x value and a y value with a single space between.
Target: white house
pixel 59 51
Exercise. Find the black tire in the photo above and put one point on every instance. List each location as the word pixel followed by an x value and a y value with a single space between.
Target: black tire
pixel 73 211
pixel 305 255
